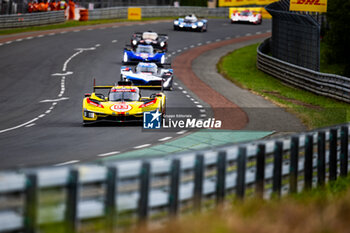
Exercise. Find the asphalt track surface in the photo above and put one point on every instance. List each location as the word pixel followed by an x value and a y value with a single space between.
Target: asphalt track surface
pixel 43 80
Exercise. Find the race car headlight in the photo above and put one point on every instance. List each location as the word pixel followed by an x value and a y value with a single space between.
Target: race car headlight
pixel 181 25
pixel 146 104
pixel 89 114
pixel 162 59
pixel 194 26
pixel 134 42
pixel 176 22
pixel 200 24
pixel 162 44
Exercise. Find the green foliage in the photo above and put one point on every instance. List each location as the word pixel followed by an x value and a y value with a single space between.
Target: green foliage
pixel 193 2
pixel 314 110
pixel 338 37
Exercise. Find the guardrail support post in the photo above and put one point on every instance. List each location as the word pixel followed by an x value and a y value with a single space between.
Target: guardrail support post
pixel 174 187
pixel 198 181
pixel 260 171
pixel 333 138
pixel 344 150
pixel 110 199
pixel 277 168
pixel 220 177
pixel 241 168
pixel 321 158
pixel 308 169
pixel 72 202
pixel 145 177
pixel 294 164
pixel 31 203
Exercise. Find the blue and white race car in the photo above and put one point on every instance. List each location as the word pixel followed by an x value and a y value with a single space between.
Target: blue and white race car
pixel 143 53
pixel 191 22
pixel 148 75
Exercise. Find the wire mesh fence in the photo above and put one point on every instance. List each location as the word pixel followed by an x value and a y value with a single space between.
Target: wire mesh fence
pixel 295 36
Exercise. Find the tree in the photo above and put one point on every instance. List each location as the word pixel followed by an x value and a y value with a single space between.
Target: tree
pixel 337 38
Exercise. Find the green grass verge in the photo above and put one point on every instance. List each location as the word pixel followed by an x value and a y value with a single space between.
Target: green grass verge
pixel 69 24
pixel 315 111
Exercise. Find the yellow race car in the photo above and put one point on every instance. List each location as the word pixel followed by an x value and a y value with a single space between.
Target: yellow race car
pixel 123 104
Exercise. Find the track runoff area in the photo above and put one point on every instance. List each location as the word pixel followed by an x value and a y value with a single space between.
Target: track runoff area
pixel 45 76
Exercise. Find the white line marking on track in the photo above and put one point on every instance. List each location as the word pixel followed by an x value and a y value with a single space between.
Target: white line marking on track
pixel 97 45
pixel 181 132
pixel 41 116
pixel 180 88
pixel 203 115
pixel 141 146
pixel 179 50
pixel 173 53
pixel 66 163
pixel 114 41
pixel 202 110
pixel 109 153
pixel 248 34
pixel 185 48
pixel 164 139
pixel 176 84
pixel 188 96
pixel 1 44
pixel 208 42
pixel 18 40
pixel 29 38
pixel 48 111
pixel 218 40
pixel 196 102
pixel 8 42
pixel 19 126
pixel 40 36
pixel 90 29
pixel 191 46
pixel 52 34
pixel 64 32
pixel 228 37
pixel 192 99
pixel 258 33
pixel 62 74
pixel 199 106
pixel 185 92
pixel 199 44
pixel 30 125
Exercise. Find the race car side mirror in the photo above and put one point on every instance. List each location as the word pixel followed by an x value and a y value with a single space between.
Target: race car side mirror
pixel 87 94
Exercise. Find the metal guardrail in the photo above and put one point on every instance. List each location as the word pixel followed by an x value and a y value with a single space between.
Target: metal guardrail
pixel 33 19
pixel 169 185
pixel 331 85
pixel 36 19
pixel 156 11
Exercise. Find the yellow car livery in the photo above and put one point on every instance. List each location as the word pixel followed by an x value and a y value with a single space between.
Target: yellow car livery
pixel 123 104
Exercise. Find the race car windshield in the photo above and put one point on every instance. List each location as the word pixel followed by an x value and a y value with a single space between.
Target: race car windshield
pixel 144 49
pixel 123 96
pixel 146 69
pixel 149 36
pixel 246 13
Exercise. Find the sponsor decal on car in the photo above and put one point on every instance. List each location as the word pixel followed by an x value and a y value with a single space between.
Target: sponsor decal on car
pixel 122 107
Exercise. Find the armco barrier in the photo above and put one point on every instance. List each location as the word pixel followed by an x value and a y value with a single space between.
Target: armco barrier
pixel 157 11
pixel 36 19
pixel 331 85
pixel 166 186
pixel 32 19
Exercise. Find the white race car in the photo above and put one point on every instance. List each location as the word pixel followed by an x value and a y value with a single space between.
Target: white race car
pixel 247 16
pixel 148 75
